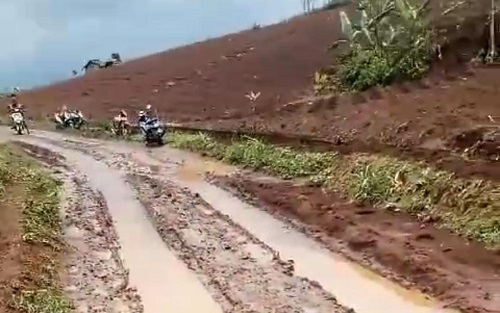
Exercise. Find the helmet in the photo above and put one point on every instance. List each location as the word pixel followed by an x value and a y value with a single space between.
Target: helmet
pixel 148 107
pixel 122 112
pixel 141 113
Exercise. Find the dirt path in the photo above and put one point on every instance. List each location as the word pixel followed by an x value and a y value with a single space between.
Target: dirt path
pixel 147 173
pixel 198 241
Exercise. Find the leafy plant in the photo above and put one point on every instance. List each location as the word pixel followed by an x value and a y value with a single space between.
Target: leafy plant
pixel 388 40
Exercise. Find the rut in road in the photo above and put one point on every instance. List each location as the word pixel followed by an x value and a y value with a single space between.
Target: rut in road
pixel 240 273
pixel 239 266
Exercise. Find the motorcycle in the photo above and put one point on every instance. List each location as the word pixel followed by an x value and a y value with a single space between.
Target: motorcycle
pixel 74 119
pixel 153 131
pixel 19 122
pixel 70 119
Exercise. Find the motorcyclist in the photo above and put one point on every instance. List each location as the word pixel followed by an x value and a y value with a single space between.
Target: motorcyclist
pixel 142 118
pixel 122 117
pixel 15 106
pixel 61 114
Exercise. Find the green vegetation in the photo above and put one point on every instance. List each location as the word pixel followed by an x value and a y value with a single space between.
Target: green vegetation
pixel 25 185
pixel 469 207
pixel 255 154
pixel 390 40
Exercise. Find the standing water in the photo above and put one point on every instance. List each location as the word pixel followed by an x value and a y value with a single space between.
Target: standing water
pixel 164 283
pixel 352 285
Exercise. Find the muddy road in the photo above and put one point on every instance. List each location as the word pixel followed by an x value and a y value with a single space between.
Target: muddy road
pixel 150 234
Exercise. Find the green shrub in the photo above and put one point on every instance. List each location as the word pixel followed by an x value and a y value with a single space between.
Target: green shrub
pixel 390 40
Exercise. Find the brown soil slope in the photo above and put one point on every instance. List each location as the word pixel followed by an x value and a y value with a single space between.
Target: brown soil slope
pixel 206 80
pixel 204 85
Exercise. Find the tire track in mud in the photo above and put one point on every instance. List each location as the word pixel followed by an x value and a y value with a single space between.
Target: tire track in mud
pixel 97 280
pixel 94 276
pixel 164 283
pixel 242 273
pixel 249 274
pixel 329 271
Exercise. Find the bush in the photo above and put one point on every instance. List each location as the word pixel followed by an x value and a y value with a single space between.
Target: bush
pixel 390 41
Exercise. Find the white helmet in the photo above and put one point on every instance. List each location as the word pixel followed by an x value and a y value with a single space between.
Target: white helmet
pixel 141 113
pixel 148 107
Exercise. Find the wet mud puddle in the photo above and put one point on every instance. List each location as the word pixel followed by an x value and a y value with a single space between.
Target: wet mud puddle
pixel 163 282
pixel 352 285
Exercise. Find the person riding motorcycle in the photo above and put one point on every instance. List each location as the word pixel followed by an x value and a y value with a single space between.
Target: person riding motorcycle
pixel 15 106
pixel 141 120
pixel 122 117
pixel 61 114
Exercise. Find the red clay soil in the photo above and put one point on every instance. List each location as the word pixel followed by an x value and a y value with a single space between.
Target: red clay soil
pixel 458 272
pixel 453 124
pixel 206 80
pixel 204 85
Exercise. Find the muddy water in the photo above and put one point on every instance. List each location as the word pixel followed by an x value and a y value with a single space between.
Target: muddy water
pixel 352 285
pixel 164 283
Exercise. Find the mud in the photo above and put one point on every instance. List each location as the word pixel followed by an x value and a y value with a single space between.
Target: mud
pixel 163 282
pixel 96 279
pixel 94 276
pixel 245 272
pixel 308 259
pixel 415 254
pixel 245 260
pixel 242 273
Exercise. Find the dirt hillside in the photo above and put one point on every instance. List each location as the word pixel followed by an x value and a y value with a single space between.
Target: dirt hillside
pixel 454 110
pixel 206 80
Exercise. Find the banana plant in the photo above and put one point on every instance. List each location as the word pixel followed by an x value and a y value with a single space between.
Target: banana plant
pixel 373 27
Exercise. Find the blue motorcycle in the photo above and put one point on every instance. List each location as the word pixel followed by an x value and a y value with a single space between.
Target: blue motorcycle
pixel 152 130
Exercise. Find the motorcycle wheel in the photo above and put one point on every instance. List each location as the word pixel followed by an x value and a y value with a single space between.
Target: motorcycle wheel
pixel 19 129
